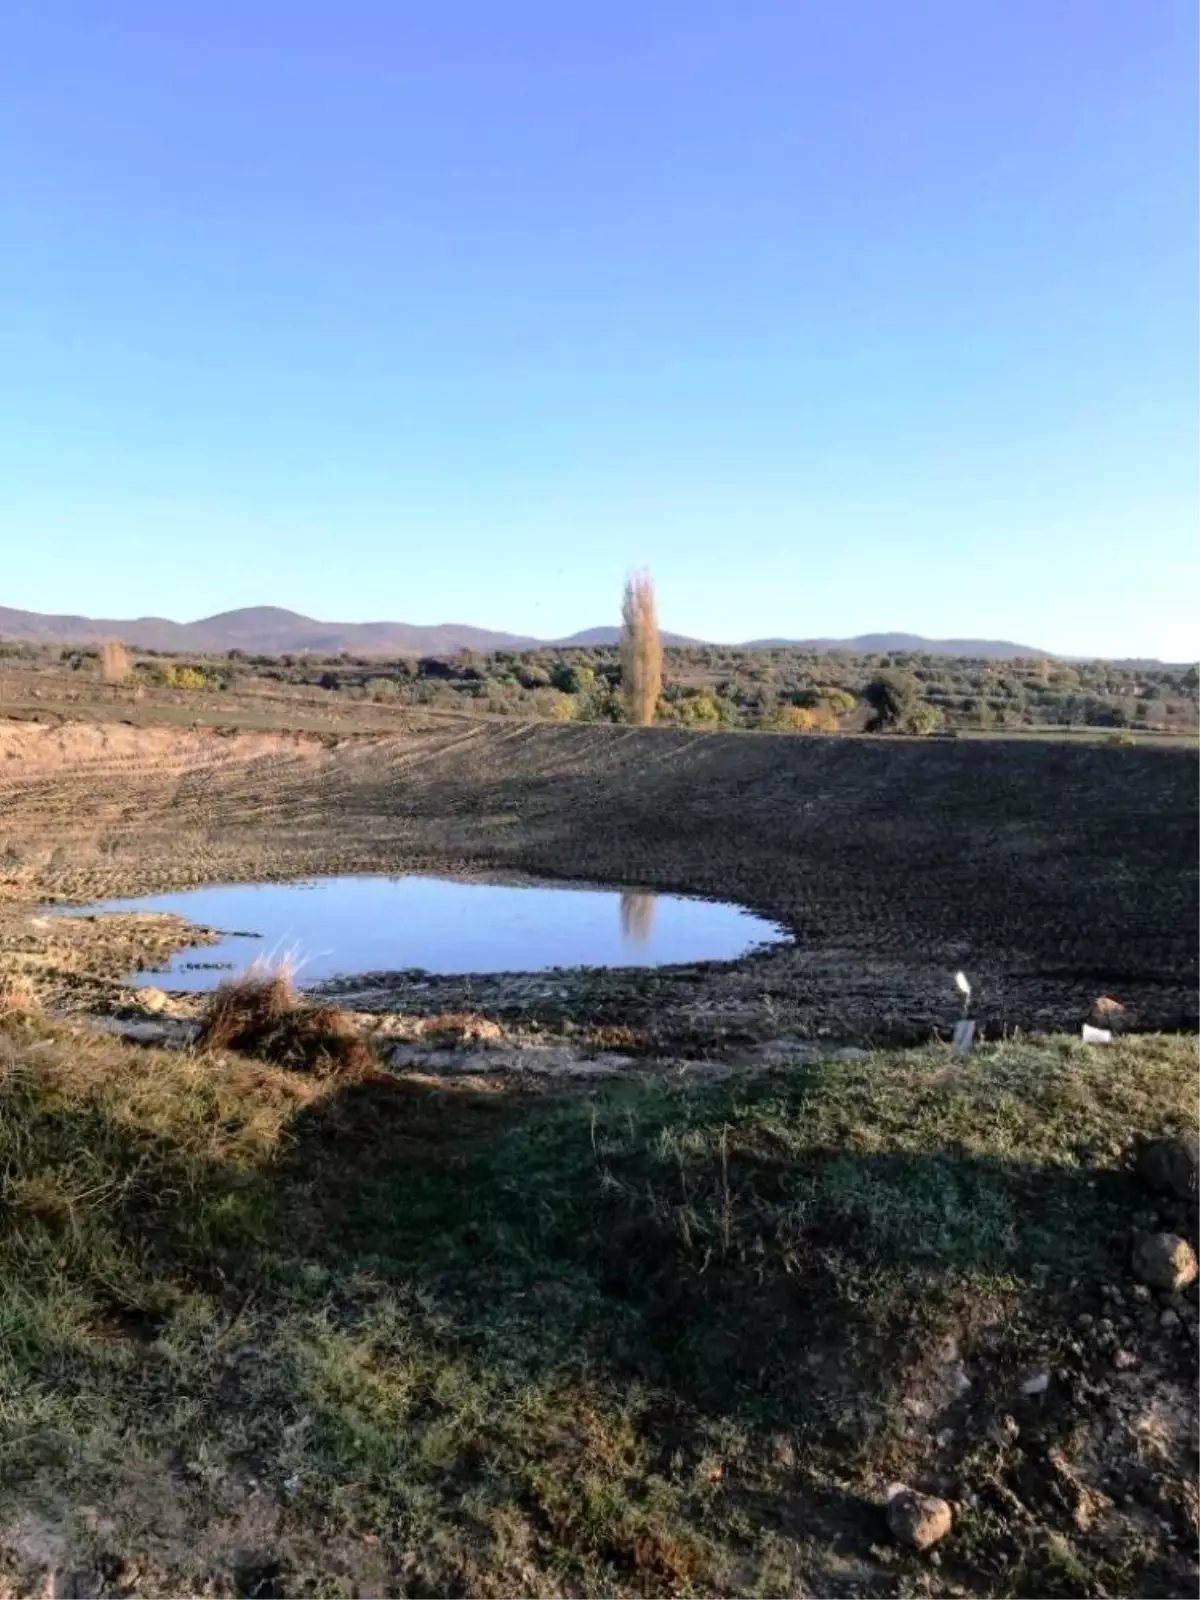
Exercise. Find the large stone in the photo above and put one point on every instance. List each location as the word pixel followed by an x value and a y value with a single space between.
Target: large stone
pixel 1170 1166
pixel 459 1027
pixel 917 1520
pixel 1108 1013
pixel 1164 1261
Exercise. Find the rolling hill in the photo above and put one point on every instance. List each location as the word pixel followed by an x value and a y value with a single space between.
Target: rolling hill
pixel 271 630
pixel 885 643
pixel 267 630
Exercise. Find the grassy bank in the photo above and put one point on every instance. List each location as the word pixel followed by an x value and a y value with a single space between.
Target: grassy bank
pixel 262 1333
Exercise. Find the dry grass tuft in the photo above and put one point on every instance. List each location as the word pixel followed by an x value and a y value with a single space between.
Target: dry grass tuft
pixel 115 665
pixel 18 997
pixel 262 1014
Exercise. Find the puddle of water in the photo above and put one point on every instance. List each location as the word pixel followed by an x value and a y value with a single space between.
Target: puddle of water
pixel 336 927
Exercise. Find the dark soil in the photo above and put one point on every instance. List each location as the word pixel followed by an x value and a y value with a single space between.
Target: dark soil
pixel 1051 873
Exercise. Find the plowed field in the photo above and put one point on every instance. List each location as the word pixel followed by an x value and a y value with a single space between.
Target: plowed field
pixel 1051 873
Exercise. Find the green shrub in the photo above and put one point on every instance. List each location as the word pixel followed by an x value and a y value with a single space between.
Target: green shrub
pixel 898 707
pixel 188 678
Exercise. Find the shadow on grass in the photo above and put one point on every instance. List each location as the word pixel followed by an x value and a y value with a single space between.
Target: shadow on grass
pixel 576 1316
pixel 672 1258
pixel 782 1287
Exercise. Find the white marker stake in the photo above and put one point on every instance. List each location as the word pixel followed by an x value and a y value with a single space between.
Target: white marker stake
pixel 1096 1035
pixel 964 1037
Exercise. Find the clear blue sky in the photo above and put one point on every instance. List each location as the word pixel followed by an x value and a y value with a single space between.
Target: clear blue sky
pixel 840 315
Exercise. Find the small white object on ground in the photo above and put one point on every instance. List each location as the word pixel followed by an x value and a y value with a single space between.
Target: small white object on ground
pixel 1096 1035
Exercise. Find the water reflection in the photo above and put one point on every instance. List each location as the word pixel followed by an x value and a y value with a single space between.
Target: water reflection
pixel 637 915
pixel 334 926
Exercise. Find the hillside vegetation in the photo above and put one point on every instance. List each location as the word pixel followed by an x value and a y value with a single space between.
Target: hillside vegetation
pixel 784 690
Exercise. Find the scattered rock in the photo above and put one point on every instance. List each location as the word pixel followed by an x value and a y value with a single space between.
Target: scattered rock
pixel 851 1052
pixel 459 1027
pixel 487 1057
pixel 785 1051
pixel 1164 1261
pixel 1169 1166
pixel 917 1520
pixel 1085 1501
pixel 1124 1360
pixel 1035 1382
pixel 1105 1009
pixel 165 1031
pixel 1169 1319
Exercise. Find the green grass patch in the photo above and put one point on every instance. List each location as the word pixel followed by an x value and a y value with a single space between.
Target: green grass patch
pixel 656 1340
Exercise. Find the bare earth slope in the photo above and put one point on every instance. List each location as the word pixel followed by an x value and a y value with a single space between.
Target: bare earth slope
pixel 1052 873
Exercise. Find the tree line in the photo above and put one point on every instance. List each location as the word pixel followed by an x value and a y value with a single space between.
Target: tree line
pixel 784 689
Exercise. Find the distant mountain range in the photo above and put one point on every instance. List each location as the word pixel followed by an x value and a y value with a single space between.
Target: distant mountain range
pixel 885 643
pixel 265 630
pixel 589 638
pixel 268 630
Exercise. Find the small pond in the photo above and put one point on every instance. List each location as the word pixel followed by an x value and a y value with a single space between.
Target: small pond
pixel 337 927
